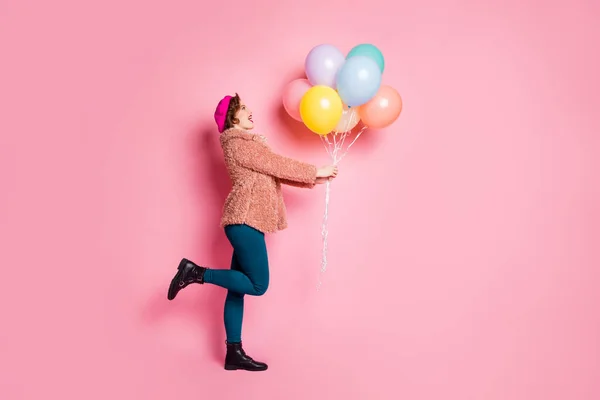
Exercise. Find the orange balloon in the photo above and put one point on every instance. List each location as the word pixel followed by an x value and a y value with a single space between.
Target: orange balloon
pixel 383 109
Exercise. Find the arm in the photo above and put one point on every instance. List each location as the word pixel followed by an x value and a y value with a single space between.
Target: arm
pixel 259 158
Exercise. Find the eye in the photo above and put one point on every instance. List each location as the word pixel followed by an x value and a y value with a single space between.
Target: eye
pixel 243 107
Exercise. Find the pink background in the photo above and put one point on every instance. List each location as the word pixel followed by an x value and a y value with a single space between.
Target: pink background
pixel 464 238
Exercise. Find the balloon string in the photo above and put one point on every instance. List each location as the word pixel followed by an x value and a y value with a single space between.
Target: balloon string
pixel 354 141
pixel 333 148
pixel 324 141
pixel 324 234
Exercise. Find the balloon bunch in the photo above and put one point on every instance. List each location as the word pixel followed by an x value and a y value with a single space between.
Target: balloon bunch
pixel 339 92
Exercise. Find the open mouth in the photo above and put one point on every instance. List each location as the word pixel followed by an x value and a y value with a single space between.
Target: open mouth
pixel 250 119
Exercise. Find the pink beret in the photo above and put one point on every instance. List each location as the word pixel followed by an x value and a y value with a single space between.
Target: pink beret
pixel 221 112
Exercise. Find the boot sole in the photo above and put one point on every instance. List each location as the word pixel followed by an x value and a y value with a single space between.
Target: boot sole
pixel 236 368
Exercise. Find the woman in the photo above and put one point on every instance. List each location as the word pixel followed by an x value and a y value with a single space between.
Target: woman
pixel 254 207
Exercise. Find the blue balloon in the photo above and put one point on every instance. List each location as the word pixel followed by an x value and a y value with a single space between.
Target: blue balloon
pixel 358 80
pixel 368 50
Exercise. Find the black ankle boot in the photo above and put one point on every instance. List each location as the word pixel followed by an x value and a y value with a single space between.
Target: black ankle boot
pixel 187 272
pixel 236 358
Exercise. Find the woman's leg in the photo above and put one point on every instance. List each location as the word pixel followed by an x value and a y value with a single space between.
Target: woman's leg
pixel 250 260
pixel 249 274
pixel 234 310
pixel 251 278
pixel 251 253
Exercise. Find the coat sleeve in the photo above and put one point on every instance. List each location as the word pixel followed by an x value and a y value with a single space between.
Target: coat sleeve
pixel 259 158
pixel 297 184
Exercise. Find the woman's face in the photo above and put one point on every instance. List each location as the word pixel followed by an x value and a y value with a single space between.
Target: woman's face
pixel 244 115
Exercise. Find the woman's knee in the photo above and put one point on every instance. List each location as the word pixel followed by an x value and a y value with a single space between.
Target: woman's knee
pixel 260 288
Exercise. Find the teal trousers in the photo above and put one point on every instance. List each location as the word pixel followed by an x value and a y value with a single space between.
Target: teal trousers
pixel 249 274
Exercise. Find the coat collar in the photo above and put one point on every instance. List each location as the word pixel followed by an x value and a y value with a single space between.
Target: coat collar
pixel 241 134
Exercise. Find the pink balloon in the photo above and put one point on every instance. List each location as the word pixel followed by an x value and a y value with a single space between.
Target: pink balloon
pixel 383 109
pixel 292 95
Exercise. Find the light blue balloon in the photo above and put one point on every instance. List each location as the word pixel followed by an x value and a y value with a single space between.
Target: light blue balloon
pixel 358 80
pixel 368 50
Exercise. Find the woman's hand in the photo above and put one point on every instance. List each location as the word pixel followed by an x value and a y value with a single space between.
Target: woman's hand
pixel 327 172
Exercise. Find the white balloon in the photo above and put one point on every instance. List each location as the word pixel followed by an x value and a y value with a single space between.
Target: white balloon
pixel 349 120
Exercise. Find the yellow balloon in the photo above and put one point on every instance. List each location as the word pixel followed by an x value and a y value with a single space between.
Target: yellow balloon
pixel 321 109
